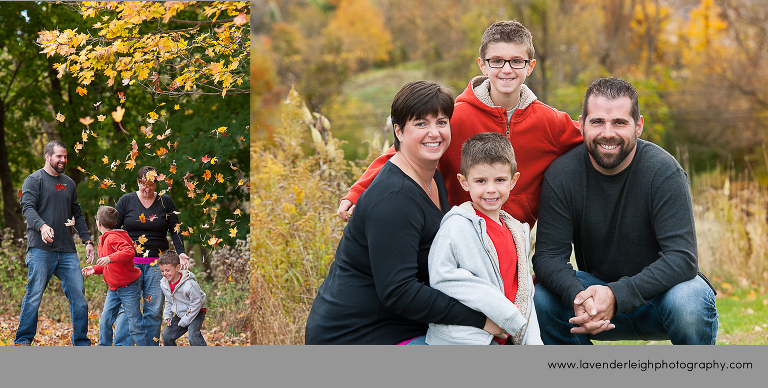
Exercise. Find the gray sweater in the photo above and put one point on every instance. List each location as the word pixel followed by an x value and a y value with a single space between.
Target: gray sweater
pixel 464 264
pixel 634 230
pixel 52 200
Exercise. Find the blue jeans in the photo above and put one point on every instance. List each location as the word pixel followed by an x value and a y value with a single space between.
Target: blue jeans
pixel 41 265
pixel 686 314
pixel 128 299
pixel 174 331
pixel 152 306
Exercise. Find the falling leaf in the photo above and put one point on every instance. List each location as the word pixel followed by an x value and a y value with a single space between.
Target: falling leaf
pixel 205 159
pixel 237 212
pixel 86 120
pixel 142 219
pixel 101 117
pixel 139 249
pixel 233 232
pixel 214 240
pixel 117 115
pixel 97 104
pixel 214 160
pixel 151 175
pixel 220 178
pixel 129 165
pixel 242 19
pixel 84 136
pixel 105 159
pixel 240 183
pixel 60 117
pixel 122 187
pixel 176 107
pixel 70 222
pixel 102 201
pixel 81 91
pixel 232 167
pixel 152 217
pixel 207 175
pixel 20 193
pixel 142 239
pixel 78 147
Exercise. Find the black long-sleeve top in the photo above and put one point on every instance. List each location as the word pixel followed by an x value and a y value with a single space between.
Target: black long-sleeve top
pixel 155 229
pixel 634 230
pixel 377 290
pixel 52 200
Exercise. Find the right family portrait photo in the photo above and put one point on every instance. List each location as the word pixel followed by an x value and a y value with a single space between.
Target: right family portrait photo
pixel 490 172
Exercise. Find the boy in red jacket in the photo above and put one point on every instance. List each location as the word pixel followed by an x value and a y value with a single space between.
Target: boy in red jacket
pixel 115 262
pixel 499 102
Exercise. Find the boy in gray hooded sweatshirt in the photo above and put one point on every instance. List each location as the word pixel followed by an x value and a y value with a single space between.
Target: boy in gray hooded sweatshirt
pixel 184 302
pixel 480 254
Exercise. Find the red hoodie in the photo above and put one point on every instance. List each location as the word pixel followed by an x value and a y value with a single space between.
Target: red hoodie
pixel 539 134
pixel 120 272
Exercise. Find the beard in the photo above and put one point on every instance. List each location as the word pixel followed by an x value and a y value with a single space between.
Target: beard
pixel 610 161
pixel 55 166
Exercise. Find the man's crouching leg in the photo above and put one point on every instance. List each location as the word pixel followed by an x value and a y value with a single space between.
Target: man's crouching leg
pixel 689 313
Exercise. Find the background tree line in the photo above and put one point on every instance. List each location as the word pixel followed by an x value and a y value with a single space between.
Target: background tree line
pixel 700 65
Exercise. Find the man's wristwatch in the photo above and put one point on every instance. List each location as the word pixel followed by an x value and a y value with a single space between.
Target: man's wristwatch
pixel 88 243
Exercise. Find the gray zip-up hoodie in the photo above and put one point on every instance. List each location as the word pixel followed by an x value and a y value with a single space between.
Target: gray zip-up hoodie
pixel 464 265
pixel 186 300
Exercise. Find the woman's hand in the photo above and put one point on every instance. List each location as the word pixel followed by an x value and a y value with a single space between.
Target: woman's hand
pixel 494 329
pixel 184 261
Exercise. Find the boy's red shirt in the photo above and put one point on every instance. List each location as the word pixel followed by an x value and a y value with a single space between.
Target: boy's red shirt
pixel 120 272
pixel 539 134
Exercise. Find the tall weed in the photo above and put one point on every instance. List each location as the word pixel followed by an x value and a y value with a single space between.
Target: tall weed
pixel 294 227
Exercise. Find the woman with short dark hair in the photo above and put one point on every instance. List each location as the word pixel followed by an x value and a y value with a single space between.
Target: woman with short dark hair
pixel 377 290
pixel 145 214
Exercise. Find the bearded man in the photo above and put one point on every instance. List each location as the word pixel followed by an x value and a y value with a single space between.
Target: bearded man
pixel 49 204
pixel 625 205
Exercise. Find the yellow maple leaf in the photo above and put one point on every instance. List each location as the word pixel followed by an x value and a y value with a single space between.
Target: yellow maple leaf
pixel 81 91
pixel 105 159
pixel 78 147
pixel 151 175
pixel 60 117
pixel 129 165
pixel 117 115
pixel 176 107
pixel 139 249
pixel 87 120
pixel 233 232
pixel 101 117
pixel 220 178
pixel 237 212
pixel 207 175
pixel 85 136
pixel 142 239
pixel 142 219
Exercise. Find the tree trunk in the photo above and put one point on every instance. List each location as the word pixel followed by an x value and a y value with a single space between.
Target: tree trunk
pixel 11 206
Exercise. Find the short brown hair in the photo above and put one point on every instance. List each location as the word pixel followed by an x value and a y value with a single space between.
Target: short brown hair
pixel 507 31
pixel 487 148
pixel 169 257
pixel 107 216
pixel 48 150
pixel 417 100
pixel 612 88
pixel 142 174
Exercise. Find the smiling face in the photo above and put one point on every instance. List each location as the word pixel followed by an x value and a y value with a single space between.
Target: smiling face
pixel 506 81
pixel 489 186
pixel 610 133
pixel 58 160
pixel 424 141
pixel 147 188
pixel 170 272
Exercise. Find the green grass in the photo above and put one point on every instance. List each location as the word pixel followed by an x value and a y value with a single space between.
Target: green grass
pixel 743 320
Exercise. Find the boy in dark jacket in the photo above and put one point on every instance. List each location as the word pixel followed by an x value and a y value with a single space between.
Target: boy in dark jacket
pixel 115 262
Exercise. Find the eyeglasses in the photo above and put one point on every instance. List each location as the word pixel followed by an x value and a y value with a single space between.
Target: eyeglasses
pixel 516 63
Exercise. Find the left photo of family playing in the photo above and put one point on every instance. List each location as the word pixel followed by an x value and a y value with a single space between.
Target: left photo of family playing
pixel 124 174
